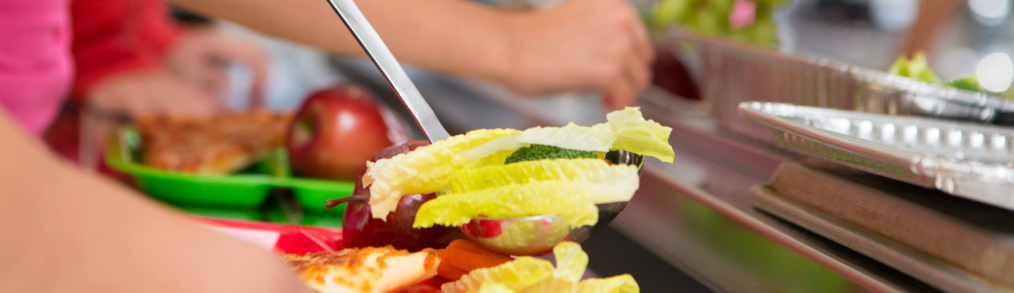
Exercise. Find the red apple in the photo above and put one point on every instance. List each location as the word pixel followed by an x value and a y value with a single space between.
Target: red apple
pixel 337 130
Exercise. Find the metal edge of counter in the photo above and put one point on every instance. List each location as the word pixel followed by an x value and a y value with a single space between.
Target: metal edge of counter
pixel 836 264
pixel 918 264
pixel 773 228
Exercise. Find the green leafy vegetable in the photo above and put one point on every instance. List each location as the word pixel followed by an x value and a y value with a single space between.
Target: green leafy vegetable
pixel 916 68
pixel 968 84
pixel 539 152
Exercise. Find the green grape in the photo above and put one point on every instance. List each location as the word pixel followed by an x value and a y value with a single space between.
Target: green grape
pixel 708 22
pixel 669 12
pixel 721 7
pixel 765 32
pixel 711 17
pixel 743 34
pixel 764 12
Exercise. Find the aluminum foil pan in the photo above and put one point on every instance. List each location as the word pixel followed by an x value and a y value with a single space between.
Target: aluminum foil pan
pixel 733 72
pixel 969 160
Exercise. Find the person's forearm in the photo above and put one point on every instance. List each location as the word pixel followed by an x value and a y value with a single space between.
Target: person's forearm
pixel 62 230
pixel 590 45
pixel 416 31
pixel 932 16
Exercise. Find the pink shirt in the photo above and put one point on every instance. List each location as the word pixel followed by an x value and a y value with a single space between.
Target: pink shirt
pixel 35 61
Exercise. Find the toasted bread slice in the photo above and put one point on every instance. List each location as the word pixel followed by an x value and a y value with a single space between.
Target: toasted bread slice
pixel 364 270
pixel 216 145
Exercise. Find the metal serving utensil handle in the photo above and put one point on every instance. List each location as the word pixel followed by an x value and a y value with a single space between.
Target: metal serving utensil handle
pixel 389 67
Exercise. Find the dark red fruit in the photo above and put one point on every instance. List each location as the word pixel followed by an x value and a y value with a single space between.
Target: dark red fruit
pixel 337 130
pixel 360 229
pixel 670 74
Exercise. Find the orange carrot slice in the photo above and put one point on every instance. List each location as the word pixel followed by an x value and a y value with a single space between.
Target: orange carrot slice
pixel 463 256
pixel 449 272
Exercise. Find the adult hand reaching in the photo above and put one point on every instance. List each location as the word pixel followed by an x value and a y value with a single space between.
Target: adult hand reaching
pixel 191 82
pixel 201 56
pixel 143 92
pixel 127 95
pixel 579 45
pixel 596 45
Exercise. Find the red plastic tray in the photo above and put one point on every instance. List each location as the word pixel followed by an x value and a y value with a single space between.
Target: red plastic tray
pixel 280 238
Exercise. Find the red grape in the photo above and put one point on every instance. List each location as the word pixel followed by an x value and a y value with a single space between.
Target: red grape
pixel 671 75
pixel 362 230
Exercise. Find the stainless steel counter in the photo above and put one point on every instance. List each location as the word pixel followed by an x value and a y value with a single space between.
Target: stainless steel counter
pixel 691 218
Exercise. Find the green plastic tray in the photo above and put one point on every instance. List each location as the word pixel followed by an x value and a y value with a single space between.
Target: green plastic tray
pixel 247 189
pixel 329 220
pixel 241 214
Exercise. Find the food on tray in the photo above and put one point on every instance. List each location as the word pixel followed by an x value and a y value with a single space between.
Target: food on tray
pixel 916 68
pixel 967 83
pixel 386 269
pixel 747 21
pixel 215 145
pixel 532 188
pixel 371 269
pixel 534 275
pixel 463 256
pixel 428 286
pixel 410 197
pixel 573 199
pixel 361 229
pixel 539 152
pixel 337 130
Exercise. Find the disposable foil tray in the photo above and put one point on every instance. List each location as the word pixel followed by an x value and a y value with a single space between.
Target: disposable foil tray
pixel 731 72
pixel 968 160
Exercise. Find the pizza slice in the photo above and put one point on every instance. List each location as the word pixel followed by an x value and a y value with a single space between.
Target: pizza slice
pixel 364 270
pixel 215 145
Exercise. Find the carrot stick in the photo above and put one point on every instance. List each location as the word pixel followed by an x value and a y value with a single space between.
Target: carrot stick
pixel 449 272
pixel 468 256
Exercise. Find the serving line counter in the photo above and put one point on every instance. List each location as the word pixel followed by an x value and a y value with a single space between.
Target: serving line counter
pixel 692 227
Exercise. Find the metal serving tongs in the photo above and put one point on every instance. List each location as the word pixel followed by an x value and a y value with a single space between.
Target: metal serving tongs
pixel 516 236
pixel 389 67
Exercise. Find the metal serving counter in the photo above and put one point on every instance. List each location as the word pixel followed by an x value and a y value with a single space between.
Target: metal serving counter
pixel 691 226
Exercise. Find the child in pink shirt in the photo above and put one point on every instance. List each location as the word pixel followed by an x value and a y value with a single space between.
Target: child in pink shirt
pixel 35 61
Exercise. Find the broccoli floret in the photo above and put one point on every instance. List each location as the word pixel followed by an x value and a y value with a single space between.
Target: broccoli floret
pixel 539 152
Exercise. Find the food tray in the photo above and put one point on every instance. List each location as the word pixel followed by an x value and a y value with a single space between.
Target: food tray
pixel 247 190
pixel 279 238
pixel 969 160
pixel 731 72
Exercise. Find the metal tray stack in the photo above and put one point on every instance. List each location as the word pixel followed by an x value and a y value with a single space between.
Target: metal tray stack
pixel 952 244
pixel 731 72
pixel 964 159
